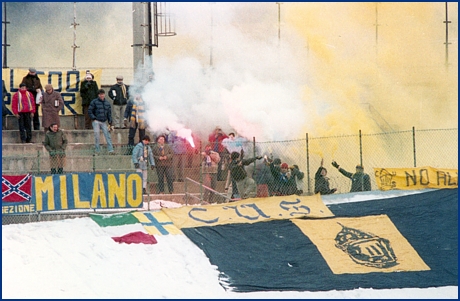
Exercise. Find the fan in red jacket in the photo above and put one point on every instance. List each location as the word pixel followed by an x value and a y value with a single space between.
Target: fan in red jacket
pixel 23 107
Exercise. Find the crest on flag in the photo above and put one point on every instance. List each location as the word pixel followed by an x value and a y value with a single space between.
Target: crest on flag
pixel 17 188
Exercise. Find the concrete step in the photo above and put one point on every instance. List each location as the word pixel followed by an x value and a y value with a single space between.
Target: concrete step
pixel 68 122
pixel 73 149
pixel 40 164
pixel 119 136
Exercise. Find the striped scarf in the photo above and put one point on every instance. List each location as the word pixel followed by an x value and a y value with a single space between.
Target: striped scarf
pixel 29 101
pixel 123 90
pixel 138 115
pixel 146 153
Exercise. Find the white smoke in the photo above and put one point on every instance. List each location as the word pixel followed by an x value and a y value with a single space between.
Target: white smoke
pixel 253 86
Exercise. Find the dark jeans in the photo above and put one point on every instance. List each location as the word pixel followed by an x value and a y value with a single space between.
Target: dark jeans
pixel 88 121
pixel 162 172
pixel 221 174
pixel 25 127
pixel 132 133
pixel 234 189
pixel 179 166
pixel 36 119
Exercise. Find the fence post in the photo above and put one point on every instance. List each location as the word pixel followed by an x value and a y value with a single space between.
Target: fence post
pixel 94 162
pixel 185 189
pixel 360 149
pixel 38 161
pixel 253 154
pixel 413 145
pixel 201 172
pixel 308 165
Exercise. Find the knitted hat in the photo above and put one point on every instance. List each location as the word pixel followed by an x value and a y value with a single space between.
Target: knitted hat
pixel 119 77
pixel 48 86
pixel 33 70
pixel 285 165
pixel 89 76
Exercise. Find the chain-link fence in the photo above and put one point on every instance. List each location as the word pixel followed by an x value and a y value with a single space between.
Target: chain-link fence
pixel 412 148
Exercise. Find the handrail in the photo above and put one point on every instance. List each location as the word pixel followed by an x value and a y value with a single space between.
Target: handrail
pixel 205 187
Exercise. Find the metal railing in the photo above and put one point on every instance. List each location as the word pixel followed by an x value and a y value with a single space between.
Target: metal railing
pixel 201 198
pixel 437 148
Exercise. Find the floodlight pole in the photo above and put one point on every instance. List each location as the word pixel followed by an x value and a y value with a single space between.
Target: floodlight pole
pixel 4 44
pixel 74 46
pixel 447 36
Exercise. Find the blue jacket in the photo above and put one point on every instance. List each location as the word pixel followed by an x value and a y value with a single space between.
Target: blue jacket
pixel 284 184
pixel 100 110
pixel 138 156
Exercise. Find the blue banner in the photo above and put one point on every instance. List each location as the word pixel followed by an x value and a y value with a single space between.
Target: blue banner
pixel 278 256
pixel 81 191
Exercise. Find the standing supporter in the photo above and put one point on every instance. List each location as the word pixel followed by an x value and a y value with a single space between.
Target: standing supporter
pixel 163 155
pixel 88 92
pixel 246 185
pixel 231 145
pixel 23 107
pixel 322 182
pixel 143 156
pixel 52 103
pixel 4 109
pixel 119 93
pixel 264 179
pixel 179 146
pixel 284 179
pixel 209 169
pixel 360 181
pixel 56 143
pixel 34 86
pixel 215 138
pixel 100 113
pixel 134 118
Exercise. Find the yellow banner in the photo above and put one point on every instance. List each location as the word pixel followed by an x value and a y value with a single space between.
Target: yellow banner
pixel 359 245
pixel 250 211
pixel 67 82
pixel 157 223
pixel 415 178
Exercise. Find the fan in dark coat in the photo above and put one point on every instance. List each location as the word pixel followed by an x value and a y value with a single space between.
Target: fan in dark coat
pixel 322 182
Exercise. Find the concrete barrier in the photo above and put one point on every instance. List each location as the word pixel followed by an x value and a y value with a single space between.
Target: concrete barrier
pixel 119 136
pixel 68 122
